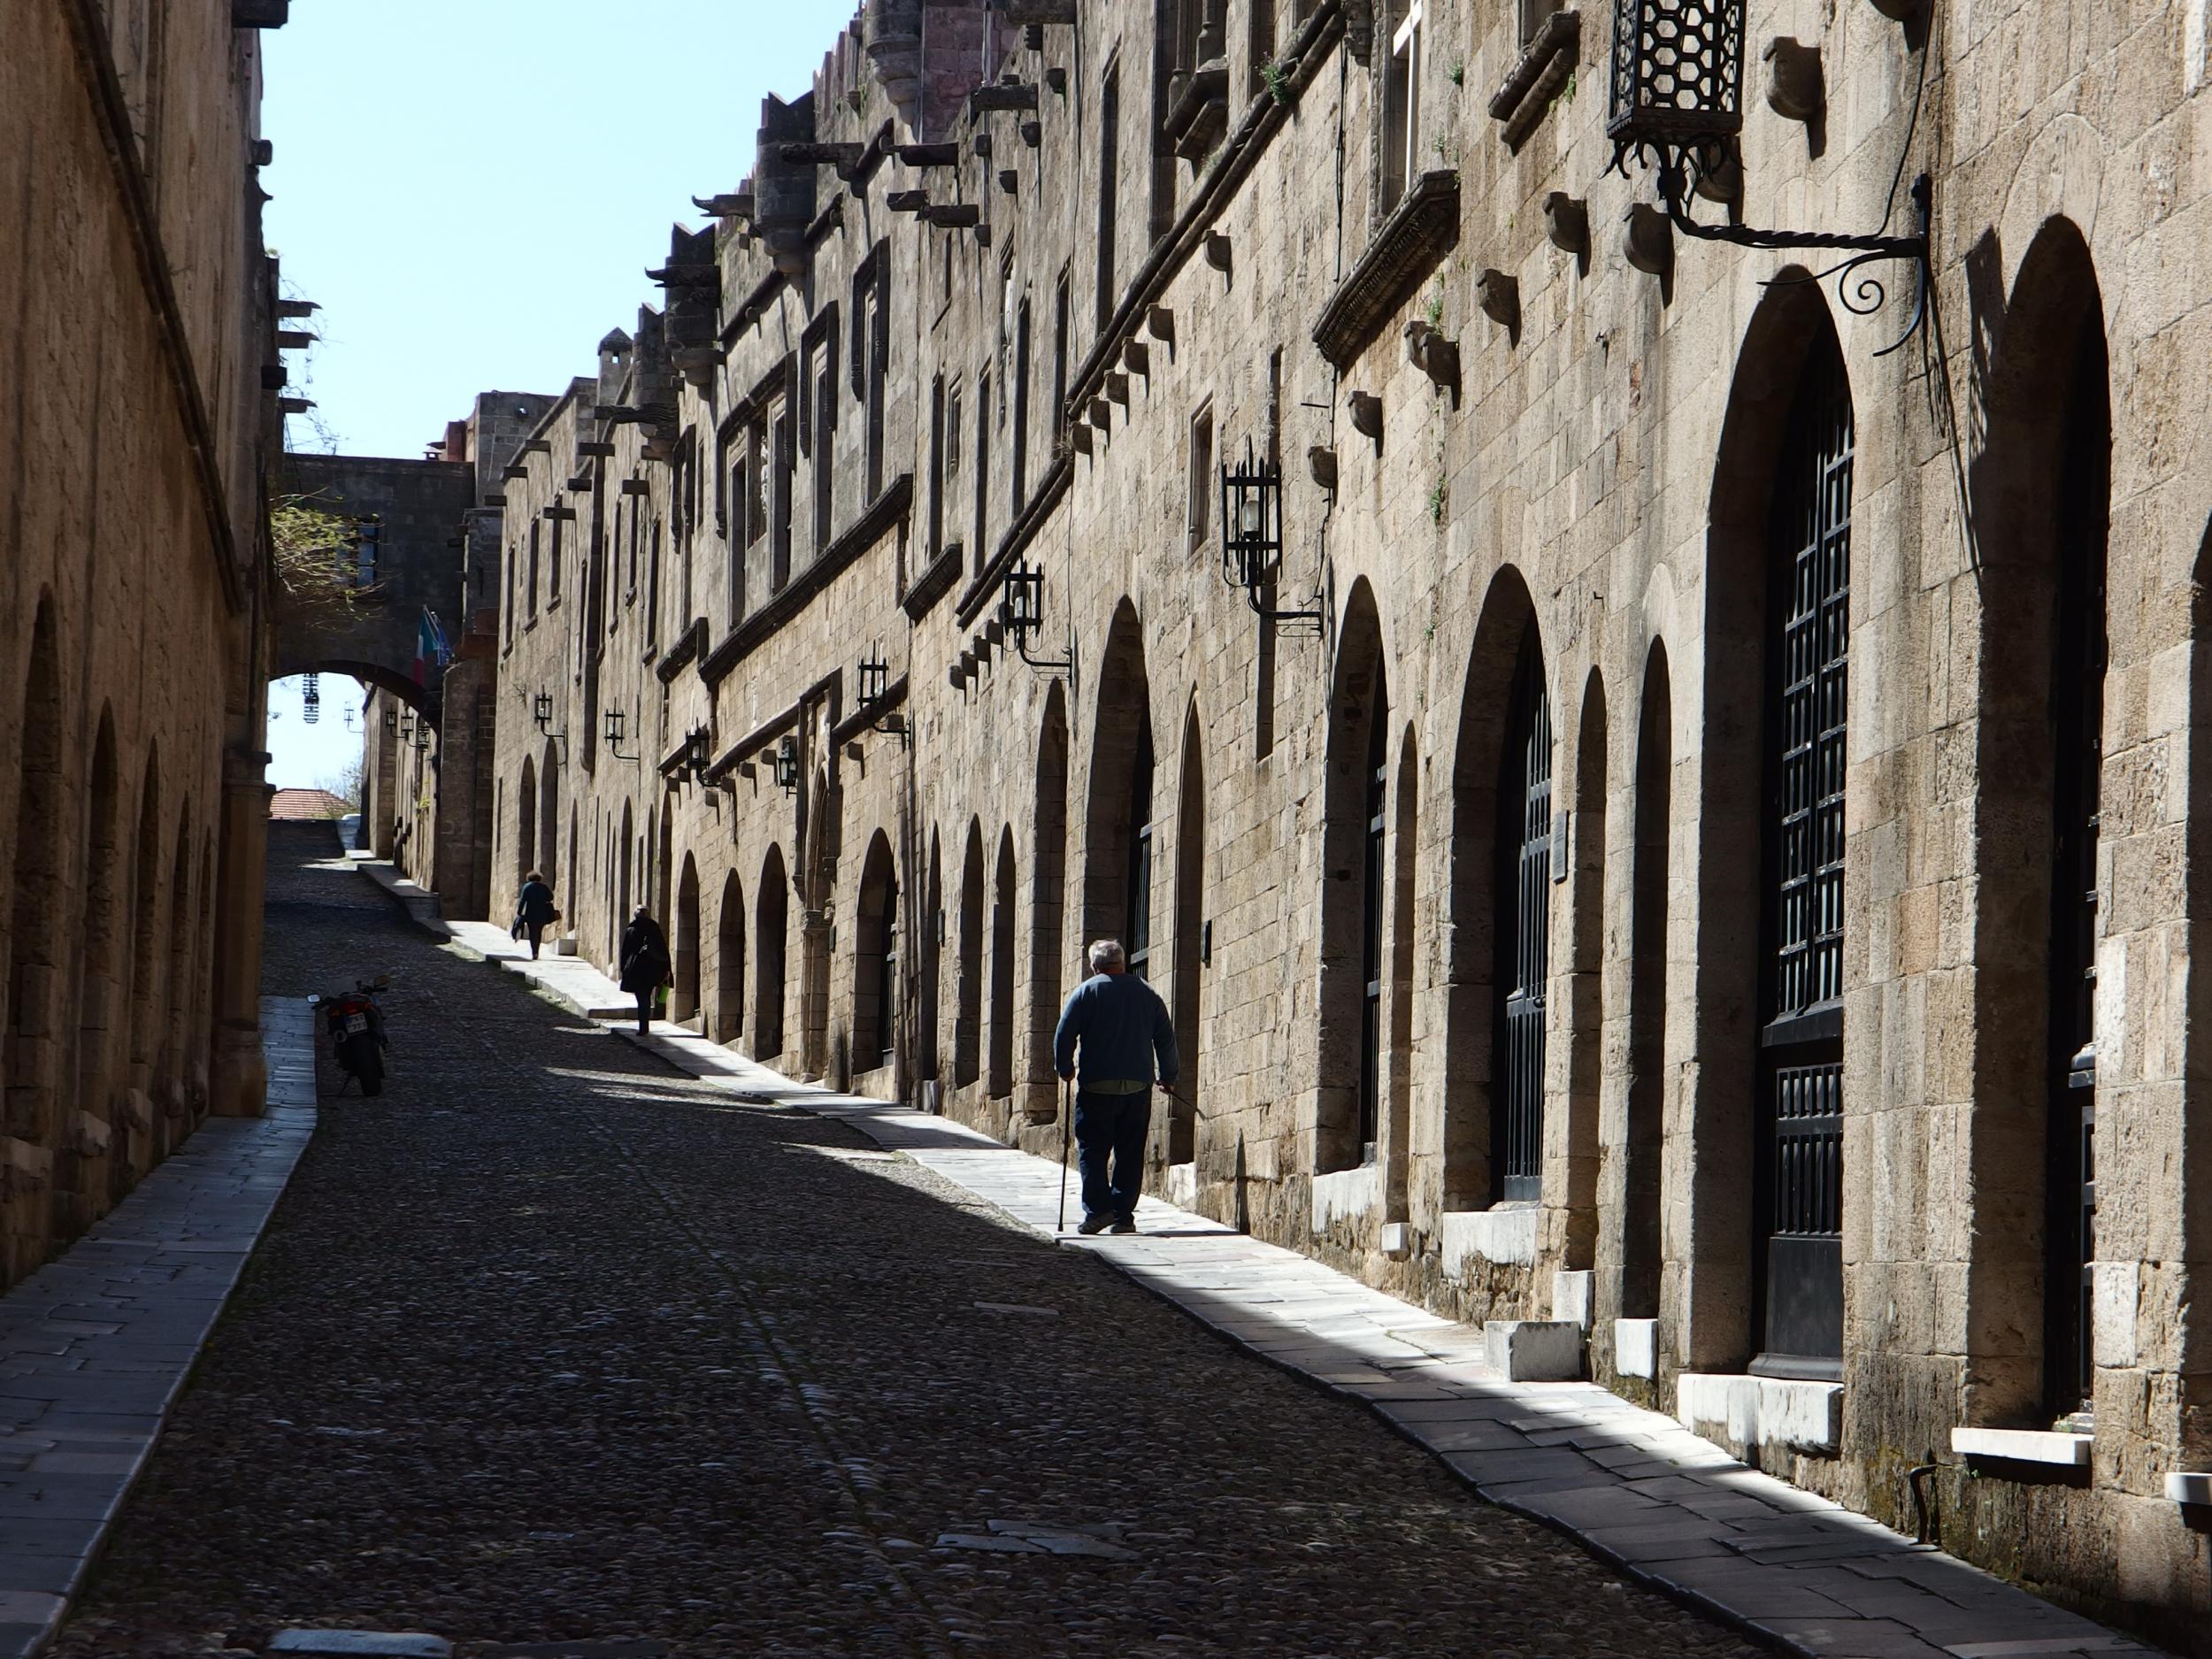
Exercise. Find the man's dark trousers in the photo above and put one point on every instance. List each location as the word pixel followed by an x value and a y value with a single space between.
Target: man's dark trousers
pixel 1111 1126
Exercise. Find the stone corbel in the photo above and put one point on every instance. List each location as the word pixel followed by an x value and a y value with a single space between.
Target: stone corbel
pixel 1538 77
pixel 1429 351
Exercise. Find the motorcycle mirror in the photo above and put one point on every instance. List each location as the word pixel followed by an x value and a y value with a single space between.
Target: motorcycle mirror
pixel 314 999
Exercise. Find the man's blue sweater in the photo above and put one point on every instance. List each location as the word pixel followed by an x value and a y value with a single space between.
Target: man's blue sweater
pixel 1123 1026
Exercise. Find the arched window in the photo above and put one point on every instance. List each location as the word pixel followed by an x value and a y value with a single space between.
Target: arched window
pixel 1524 934
pixel 1798 1165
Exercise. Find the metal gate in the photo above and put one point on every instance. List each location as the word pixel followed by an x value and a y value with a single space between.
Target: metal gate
pixel 1800 1163
pixel 1524 931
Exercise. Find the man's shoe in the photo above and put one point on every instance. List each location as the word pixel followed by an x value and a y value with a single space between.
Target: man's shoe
pixel 1123 1223
pixel 1096 1223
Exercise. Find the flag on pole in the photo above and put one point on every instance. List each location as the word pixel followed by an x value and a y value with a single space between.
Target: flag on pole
pixel 426 649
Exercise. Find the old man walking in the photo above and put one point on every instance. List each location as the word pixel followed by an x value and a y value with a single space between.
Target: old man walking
pixel 1123 1029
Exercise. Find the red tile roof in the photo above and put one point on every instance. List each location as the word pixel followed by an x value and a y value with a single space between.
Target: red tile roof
pixel 306 803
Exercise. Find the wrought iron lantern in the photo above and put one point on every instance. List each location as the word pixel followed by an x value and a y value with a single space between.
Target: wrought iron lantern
pixel 1677 74
pixel 1021 612
pixel 1252 533
pixel 1677 104
pixel 873 678
pixel 787 760
pixel 421 740
pixel 541 711
pixel 613 731
pixel 391 721
pixel 693 757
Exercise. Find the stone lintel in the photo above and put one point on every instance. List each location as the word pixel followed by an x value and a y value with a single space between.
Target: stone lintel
pixel 1411 243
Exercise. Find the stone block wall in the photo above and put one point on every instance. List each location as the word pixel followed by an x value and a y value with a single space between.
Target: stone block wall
pixel 137 426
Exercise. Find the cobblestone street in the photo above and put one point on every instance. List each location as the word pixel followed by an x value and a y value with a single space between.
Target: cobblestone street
pixel 546 1342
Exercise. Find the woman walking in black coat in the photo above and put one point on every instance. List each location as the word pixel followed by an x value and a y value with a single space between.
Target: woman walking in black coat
pixel 644 963
pixel 534 911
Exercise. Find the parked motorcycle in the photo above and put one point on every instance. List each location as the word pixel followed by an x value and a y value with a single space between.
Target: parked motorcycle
pixel 355 1026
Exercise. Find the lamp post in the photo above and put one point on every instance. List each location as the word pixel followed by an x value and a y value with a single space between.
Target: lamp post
pixel 1677 104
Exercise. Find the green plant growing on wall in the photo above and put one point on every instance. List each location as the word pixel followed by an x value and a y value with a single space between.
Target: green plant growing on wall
pixel 1433 313
pixel 1277 82
pixel 1457 74
pixel 1439 494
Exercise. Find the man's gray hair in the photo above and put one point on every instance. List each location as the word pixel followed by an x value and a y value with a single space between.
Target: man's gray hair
pixel 1107 955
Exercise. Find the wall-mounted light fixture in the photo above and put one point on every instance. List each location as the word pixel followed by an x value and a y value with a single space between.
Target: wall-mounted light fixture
pixel 391 721
pixel 1677 105
pixel 613 733
pixel 541 711
pixel 788 763
pixel 1021 612
pixel 871 678
pixel 693 758
pixel 1252 534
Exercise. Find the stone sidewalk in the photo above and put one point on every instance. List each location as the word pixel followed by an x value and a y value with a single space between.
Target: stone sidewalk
pixel 95 1346
pixel 1633 1487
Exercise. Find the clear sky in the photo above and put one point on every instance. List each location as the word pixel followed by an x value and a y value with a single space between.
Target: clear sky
pixel 473 190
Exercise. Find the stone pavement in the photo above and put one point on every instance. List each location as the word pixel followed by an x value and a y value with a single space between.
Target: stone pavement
pixel 552 1344
pixel 95 1346
pixel 1636 1488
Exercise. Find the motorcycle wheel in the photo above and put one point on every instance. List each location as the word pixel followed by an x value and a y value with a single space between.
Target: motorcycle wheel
pixel 368 1065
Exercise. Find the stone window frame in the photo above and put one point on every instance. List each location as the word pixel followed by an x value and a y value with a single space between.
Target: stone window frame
pixel 1199 461
pixel 1398 107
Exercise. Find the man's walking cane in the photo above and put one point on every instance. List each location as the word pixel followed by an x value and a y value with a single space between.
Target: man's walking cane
pixel 1067 1127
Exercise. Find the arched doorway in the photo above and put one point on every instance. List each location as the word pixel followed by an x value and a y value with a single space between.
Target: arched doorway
pixel 729 961
pixel 773 928
pixel 1002 904
pixel 685 946
pixel 1348 1094
pixel 1118 806
pixel 1404 931
pixel 1644 1140
pixel 1048 905
pixel 548 850
pixel 968 992
pixel 526 822
pixel 623 907
pixel 37 937
pixel 1190 923
pixel 176 983
pixel 932 923
pixel 876 959
pixel 133 1148
pixel 100 1000
pixel 1577 1192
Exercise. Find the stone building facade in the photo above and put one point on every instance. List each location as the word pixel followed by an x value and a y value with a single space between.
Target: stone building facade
pixel 139 413
pixel 1691 834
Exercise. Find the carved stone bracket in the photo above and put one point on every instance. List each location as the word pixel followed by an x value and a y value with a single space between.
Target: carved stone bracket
pixel 1413 241
pixel 1200 113
pixel 1538 77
